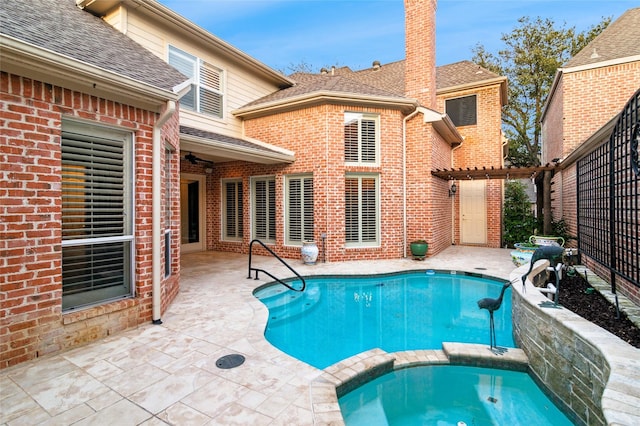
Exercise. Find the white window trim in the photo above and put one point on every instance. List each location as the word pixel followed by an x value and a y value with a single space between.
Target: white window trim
pixel 367 244
pixel 376 118
pixel 100 130
pixel 287 180
pixel 196 81
pixel 252 190
pixel 223 197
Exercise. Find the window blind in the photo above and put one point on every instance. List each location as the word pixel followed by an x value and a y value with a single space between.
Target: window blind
pixel 97 229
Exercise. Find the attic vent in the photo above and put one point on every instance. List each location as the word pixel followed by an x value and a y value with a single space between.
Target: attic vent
pixel 376 65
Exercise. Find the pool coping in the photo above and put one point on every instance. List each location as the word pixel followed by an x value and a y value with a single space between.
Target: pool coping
pixel 346 375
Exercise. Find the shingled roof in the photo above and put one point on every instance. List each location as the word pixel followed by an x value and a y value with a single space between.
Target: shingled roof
pixel 60 27
pixel 621 39
pixel 381 80
pixel 323 83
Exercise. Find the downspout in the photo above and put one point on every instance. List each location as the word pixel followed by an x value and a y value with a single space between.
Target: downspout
pixel 404 179
pixel 453 201
pixel 156 215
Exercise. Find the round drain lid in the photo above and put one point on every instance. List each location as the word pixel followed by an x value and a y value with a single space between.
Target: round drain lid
pixel 230 361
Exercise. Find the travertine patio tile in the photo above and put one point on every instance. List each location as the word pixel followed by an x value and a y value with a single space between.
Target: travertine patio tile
pixel 236 414
pixel 40 372
pixel 171 389
pixel 71 416
pixel 215 396
pixel 66 391
pixel 181 414
pixel 132 381
pixel 122 413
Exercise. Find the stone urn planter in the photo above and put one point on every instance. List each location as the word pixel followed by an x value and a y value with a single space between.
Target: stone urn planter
pixel 309 252
pixel 419 249
pixel 523 253
pixel 546 240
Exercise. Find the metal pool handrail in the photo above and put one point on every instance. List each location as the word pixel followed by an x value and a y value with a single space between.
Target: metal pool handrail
pixel 304 284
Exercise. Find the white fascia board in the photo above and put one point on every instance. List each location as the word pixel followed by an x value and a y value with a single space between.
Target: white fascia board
pixel 233 152
pixel 210 40
pixel 443 125
pixel 611 62
pixel 314 98
pixel 27 60
pixel 502 81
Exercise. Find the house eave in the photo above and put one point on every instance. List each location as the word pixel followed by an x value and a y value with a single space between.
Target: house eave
pixel 502 81
pixel 229 152
pixel 154 8
pixel 33 62
pixel 443 125
pixel 325 97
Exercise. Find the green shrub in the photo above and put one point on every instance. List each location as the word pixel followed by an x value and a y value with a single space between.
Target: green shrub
pixel 519 220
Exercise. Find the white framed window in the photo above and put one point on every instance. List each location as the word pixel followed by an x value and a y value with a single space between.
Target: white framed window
pixel 207 89
pixel 362 210
pixel 263 206
pixel 232 227
pixel 299 209
pixel 361 138
pixel 462 111
pixel 97 214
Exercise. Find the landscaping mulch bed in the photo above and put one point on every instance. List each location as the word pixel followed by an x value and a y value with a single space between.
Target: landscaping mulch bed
pixel 596 308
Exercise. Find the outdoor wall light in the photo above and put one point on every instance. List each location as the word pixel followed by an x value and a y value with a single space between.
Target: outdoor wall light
pixel 453 189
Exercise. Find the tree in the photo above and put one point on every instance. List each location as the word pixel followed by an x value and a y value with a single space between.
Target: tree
pixel 534 50
pixel 519 220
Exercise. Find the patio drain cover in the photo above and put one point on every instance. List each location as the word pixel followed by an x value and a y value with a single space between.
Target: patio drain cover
pixel 230 361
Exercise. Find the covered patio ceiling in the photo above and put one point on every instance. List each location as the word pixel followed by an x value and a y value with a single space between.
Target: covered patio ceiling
pixel 508 172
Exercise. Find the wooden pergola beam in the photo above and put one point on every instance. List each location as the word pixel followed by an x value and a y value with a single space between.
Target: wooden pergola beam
pixel 509 172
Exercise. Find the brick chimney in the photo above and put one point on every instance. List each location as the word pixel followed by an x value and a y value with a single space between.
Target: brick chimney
pixel 420 51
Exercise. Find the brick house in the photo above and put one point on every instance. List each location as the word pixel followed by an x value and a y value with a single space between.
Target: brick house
pixel 342 157
pixel 265 156
pixel 88 166
pixel 586 98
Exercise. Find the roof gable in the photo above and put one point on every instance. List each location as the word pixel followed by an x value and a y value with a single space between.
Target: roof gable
pixel 621 39
pixel 58 26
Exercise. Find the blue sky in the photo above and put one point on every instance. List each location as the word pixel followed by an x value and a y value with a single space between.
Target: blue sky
pixel 354 33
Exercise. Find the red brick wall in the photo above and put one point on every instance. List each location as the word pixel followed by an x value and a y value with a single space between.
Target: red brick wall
pixel 32 322
pixel 593 97
pixel 420 51
pixel 482 146
pixel 316 135
pixel 553 126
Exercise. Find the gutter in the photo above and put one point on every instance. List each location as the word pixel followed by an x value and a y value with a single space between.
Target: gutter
pixel 51 67
pixel 156 214
pixel 322 97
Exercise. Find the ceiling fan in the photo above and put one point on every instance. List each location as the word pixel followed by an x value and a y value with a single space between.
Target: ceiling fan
pixel 195 160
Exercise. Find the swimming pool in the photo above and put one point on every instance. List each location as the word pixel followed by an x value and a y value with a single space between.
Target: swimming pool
pixel 339 316
pixel 450 395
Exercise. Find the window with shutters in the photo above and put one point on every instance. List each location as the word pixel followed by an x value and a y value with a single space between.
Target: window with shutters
pixel 462 111
pixel 299 209
pixel 207 89
pixel 264 209
pixel 362 210
pixel 232 210
pixel 361 138
pixel 97 214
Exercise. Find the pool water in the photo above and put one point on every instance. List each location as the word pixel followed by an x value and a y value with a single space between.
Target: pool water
pixel 338 317
pixel 448 395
